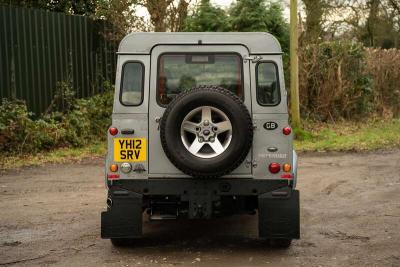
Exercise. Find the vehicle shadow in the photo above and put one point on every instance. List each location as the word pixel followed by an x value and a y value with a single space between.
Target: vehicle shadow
pixel 221 234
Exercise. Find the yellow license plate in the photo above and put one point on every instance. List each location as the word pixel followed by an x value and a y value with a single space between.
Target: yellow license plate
pixel 129 149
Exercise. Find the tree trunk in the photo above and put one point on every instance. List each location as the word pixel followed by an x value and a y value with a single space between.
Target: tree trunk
pixel 158 13
pixel 371 21
pixel 314 12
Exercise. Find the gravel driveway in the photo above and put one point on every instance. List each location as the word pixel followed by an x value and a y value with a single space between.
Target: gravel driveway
pixel 350 215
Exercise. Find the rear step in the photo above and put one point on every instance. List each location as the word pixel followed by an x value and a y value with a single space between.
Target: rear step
pixel 163 210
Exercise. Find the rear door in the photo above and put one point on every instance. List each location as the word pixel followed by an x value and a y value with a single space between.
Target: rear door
pixel 159 164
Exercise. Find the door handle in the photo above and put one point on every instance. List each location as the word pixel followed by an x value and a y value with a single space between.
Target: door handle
pixel 127 131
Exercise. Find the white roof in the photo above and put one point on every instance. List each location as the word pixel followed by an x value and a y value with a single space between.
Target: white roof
pixel 143 42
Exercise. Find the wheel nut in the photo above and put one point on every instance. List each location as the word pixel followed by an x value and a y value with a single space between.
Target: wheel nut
pixel 201 140
pixel 198 129
pixel 206 122
pixel 212 139
pixel 215 129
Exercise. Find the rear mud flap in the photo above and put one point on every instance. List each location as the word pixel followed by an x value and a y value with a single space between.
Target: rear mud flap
pixel 279 214
pixel 123 219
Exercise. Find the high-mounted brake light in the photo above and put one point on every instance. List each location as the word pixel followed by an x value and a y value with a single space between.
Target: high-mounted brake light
pixel 274 167
pixel 287 130
pixel 113 131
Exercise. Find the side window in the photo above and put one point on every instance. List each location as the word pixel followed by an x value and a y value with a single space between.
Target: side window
pixel 132 84
pixel 268 93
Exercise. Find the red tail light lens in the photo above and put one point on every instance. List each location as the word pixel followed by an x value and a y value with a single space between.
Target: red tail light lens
pixel 287 130
pixel 113 131
pixel 274 167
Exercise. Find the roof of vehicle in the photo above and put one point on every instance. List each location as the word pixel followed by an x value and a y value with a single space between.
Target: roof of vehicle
pixel 143 42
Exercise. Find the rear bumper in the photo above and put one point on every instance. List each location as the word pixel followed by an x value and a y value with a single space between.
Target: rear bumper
pixel 278 203
pixel 181 186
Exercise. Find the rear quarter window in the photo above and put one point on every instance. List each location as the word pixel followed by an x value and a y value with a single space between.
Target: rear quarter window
pixel 268 91
pixel 131 93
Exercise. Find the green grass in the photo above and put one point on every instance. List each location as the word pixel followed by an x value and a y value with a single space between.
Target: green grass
pixel 349 136
pixel 342 136
pixel 59 155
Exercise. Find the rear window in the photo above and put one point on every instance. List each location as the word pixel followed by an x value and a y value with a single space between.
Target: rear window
pixel 268 93
pixel 180 72
pixel 132 84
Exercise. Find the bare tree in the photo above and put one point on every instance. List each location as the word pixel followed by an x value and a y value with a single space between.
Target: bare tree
pixel 121 14
pixel 177 15
pixel 373 22
pixel 166 15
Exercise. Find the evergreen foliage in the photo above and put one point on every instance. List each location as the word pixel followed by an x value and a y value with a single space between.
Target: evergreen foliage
pixel 207 18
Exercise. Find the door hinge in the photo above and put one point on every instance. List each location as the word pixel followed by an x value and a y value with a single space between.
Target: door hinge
pixel 253 59
pixel 250 163
pixel 157 120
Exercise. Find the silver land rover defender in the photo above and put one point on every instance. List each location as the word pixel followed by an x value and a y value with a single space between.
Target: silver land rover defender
pixel 200 130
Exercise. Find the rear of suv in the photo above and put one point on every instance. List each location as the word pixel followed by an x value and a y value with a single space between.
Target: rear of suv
pixel 200 130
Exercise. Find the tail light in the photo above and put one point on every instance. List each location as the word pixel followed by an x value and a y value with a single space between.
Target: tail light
pixel 286 167
pixel 113 167
pixel 274 167
pixel 287 130
pixel 113 131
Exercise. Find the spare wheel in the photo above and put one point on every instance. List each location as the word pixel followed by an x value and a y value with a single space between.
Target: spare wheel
pixel 206 132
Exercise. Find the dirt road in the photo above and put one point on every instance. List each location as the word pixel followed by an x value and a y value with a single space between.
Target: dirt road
pixel 350 215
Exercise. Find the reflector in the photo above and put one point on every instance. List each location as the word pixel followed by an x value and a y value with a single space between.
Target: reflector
pixel 287 176
pixel 112 176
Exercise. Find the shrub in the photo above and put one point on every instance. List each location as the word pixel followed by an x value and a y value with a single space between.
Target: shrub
pixel 334 81
pixel 82 122
pixel 19 133
pixel 383 65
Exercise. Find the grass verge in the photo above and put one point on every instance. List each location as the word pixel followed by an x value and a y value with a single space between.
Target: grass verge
pixel 59 155
pixel 349 136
